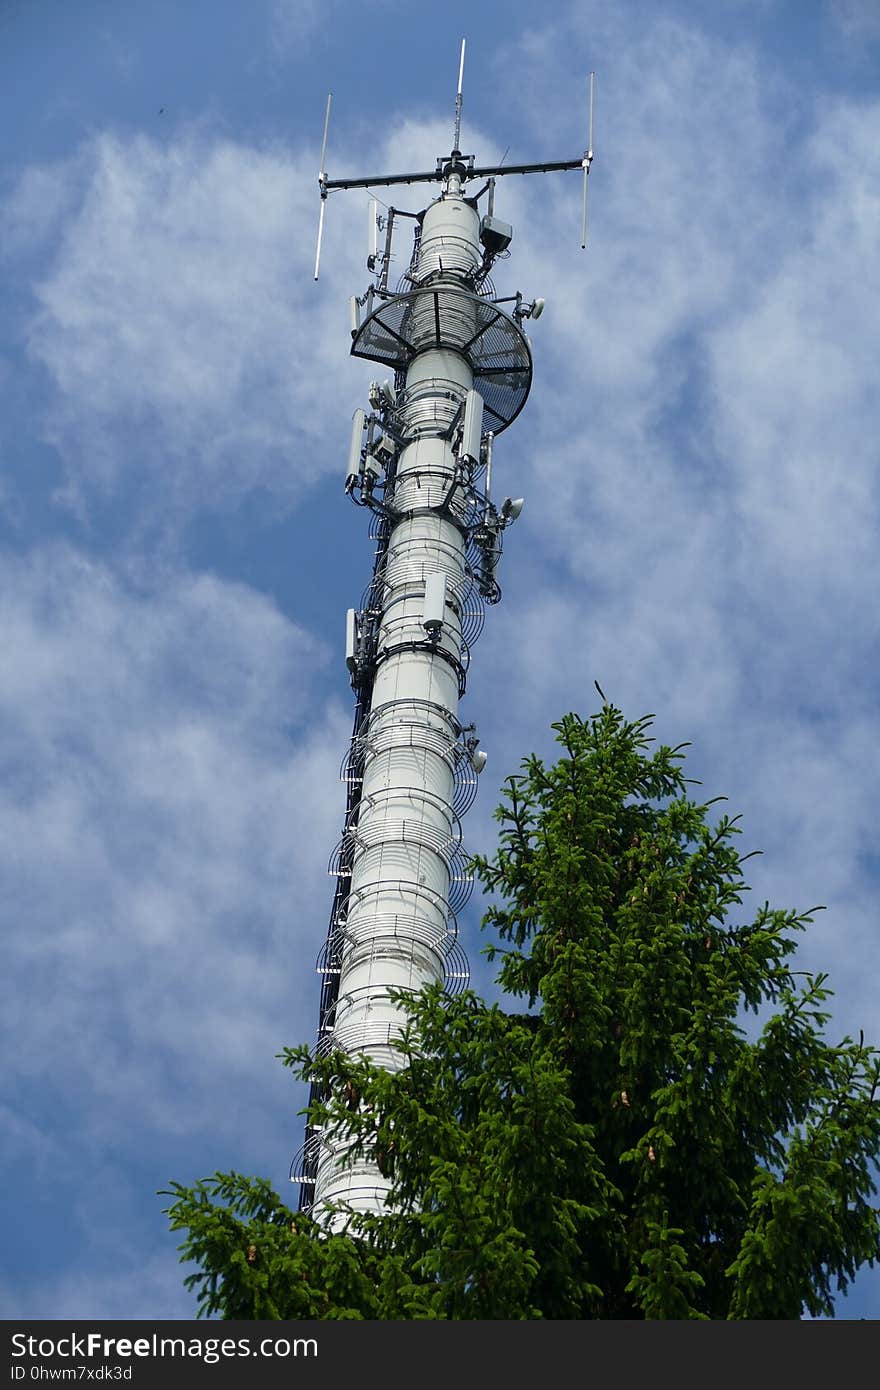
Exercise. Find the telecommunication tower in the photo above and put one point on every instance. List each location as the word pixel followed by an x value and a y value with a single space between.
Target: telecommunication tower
pixel 459 370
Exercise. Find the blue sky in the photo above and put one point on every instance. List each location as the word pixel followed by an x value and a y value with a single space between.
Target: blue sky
pixel 699 460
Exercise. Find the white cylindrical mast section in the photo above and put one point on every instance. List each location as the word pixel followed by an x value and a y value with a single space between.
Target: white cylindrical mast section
pixel 397 922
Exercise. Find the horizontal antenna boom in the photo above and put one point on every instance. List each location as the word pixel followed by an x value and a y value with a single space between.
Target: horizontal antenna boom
pixel 436 176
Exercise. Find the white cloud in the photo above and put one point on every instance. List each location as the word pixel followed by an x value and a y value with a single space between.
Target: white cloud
pixel 293 24
pixel 699 468
pixel 163 840
pixel 120 56
pixel 189 353
pixel 859 20
pixel 700 531
pixel 186 343
pixel 40 198
pixel 148 1289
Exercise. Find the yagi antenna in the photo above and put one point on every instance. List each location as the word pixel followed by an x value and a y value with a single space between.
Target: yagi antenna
pixel 588 159
pixel 457 136
pixel 322 184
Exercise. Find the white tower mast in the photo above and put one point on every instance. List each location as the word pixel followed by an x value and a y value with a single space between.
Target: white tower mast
pixel 421 461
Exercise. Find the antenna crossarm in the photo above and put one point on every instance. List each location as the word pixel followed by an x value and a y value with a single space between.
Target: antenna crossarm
pixel 436 176
pixel 381 180
pixel 552 166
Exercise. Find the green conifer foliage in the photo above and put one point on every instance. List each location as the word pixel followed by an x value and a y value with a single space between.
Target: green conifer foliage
pixel 615 1142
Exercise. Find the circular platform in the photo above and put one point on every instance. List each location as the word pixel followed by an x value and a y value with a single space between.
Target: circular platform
pixel 447 316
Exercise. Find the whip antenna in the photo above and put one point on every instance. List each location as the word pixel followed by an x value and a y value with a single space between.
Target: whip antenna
pixel 588 159
pixel 457 136
pixel 322 184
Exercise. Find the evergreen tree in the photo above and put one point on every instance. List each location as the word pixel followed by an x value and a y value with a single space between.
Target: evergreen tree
pixel 617 1146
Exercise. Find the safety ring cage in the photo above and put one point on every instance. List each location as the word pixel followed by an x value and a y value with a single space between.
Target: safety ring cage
pixel 461 589
pixel 435 314
pixel 465 777
pixel 383 521
pixel 400 726
pixel 447 315
pixel 451 493
pixel 401 928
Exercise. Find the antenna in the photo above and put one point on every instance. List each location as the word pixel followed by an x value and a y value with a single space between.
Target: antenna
pixel 457 136
pixel 459 370
pixel 588 159
pixel 463 166
pixel 373 231
pixel 322 184
pixel 386 254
